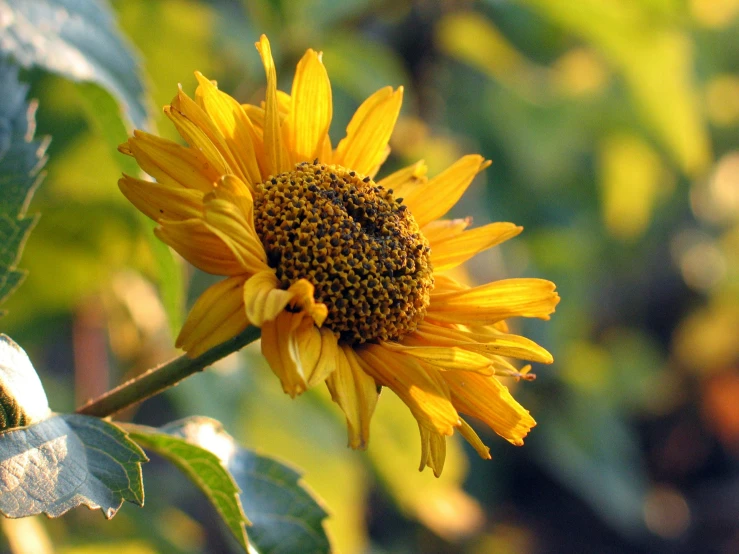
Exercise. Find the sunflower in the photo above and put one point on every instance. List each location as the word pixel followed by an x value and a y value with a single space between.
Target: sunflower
pixel 343 273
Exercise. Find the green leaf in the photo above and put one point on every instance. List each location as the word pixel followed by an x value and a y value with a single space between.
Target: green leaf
pixel 204 469
pixel 66 461
pixel 58 462
pixel 21 159
pixel 285 516
pixel 77 39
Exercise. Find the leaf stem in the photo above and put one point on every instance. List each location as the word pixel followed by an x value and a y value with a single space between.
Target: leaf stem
pixel 163 377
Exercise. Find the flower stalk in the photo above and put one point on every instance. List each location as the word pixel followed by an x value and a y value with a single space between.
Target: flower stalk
pixel 167 375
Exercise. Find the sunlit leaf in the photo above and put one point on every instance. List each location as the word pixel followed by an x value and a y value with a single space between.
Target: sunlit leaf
pixel 58 462
pixel 67 461
pixel 77 39
pixel 21 159
pixel 22 397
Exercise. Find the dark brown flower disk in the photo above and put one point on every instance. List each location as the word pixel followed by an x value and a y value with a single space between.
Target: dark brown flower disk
pixel 359 246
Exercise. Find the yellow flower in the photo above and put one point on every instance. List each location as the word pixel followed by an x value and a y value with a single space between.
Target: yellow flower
pixel 344 274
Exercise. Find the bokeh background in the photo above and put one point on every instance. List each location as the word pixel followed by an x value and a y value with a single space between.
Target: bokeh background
pixel 614 131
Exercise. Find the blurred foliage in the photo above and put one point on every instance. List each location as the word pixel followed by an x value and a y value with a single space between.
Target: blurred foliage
pixel 614 131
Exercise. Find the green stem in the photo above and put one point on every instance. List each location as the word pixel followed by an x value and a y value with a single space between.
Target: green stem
pixel 161 378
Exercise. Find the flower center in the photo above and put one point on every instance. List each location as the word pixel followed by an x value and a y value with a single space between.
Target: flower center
pixel 358 245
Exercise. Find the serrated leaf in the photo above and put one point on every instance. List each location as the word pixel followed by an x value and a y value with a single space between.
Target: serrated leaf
pixel 285 516
pixel 21 159
pixel 77 39
pixel 204 469
pixel 66 461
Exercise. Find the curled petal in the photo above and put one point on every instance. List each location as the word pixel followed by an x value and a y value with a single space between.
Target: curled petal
pixel 162 201
pixel 239 144
pixel 433 450
pixel 264 300
pixel 218 315
pixel 172 164
pixel 196 243
pixel 198 140
pixel 225 217
pixel 356 394
pixel 299 353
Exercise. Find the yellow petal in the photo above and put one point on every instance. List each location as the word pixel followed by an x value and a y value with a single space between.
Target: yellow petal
pixel 488 400
pixel 185 108
pixel 325 152
pixel 486 304
pixel 356 394
pixel 493 342
pixel 433 450
pixel 471 437
pixel 421 388
pixel 454 251
pixel 218 315
pixel 327 363
pixel 299 353
pixel 277 161
pixel 256 113
pixel 263 299
pixel 445 357
pixel 172 164
pixel 369 131
pixel 381 159
pixel 302 292
pixel 310 109
pixel 193 240
pixel 432 201
pixel 234 190
pixel 226 219
pixel 406 180
pixel 281 348
pixel 240 138
pixel 441 230
pixel 197 139
pixel 445 283
pixel 161 201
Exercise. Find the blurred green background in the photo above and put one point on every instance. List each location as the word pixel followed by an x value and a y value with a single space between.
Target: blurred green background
pixel 613 127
